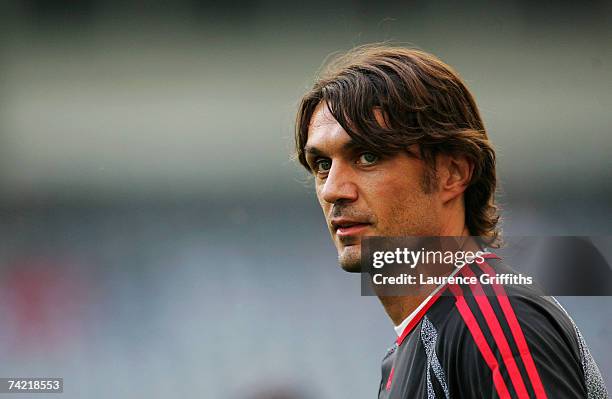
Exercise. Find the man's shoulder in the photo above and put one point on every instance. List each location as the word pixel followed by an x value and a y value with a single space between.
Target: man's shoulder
pixel 491 307
pixel 515 329
pixel 507 339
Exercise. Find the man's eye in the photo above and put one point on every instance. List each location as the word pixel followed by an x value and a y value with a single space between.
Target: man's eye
pixel 367 158
pixel 322 165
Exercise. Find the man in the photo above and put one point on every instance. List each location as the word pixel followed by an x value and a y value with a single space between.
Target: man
pixel 397 148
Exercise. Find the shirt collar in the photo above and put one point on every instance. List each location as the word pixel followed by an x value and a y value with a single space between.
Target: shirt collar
pixel 409 322
pixel 400 329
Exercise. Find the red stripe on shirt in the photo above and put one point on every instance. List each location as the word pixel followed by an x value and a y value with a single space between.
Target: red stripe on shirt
pixel 481 342
pixel 498 335
pixel 390 379
pixel 518 335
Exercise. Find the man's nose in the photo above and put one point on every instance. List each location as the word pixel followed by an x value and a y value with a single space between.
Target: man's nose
pixel 339 185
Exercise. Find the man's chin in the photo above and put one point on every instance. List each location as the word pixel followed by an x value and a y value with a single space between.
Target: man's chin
pixel 349 258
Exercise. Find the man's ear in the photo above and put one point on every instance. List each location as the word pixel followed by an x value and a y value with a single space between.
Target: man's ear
pixel 454 175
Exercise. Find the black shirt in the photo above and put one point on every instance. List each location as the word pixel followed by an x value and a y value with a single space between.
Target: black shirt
pixel 490 341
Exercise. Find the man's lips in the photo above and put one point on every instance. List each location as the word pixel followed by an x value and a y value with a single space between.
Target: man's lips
pixel 348 227
pixel 351 230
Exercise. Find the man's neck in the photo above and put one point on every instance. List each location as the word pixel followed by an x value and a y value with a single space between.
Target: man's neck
pixel 400 307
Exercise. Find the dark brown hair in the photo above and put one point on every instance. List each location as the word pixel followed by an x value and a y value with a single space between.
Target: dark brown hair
pixel 423 101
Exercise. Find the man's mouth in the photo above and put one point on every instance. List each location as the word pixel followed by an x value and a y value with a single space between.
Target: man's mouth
pixel 347 228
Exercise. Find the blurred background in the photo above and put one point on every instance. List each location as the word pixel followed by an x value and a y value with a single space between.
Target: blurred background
pixel 157 240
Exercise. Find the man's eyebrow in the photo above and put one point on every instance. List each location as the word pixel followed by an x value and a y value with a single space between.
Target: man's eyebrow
pixel 349 146
pixel 314 151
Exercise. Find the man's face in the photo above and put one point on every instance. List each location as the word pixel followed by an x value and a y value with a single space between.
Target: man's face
pixel 363 194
